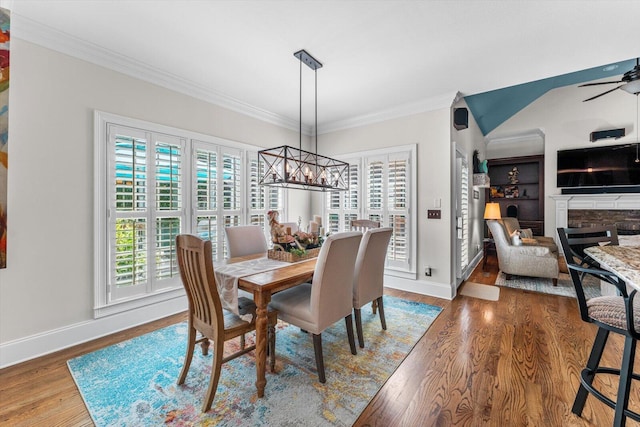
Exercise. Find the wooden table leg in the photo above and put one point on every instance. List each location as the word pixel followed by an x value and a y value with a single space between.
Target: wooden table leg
pixel 262 321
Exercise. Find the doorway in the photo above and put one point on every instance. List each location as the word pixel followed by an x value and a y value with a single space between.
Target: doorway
pixel 461 215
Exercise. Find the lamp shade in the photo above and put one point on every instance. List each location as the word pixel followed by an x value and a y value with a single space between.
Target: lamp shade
pixel 492 211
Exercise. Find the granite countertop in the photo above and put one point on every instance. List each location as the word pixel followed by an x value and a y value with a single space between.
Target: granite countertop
pixel 624 261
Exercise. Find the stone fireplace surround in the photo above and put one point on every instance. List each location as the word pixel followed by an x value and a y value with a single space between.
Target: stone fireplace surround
pixel 584 210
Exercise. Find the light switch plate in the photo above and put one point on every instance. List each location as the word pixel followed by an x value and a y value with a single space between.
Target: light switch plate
pixel 433 214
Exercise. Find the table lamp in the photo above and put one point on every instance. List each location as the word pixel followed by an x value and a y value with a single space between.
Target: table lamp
pixel 492 211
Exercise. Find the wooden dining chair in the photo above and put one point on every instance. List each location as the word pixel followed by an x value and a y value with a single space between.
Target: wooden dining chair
pixel 368 277
pixel 619 314
pixel 245 240
pixel 363 224
pixel 315 306
pixel 207 316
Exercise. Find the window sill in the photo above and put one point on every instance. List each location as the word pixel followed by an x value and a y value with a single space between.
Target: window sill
pixel 137 302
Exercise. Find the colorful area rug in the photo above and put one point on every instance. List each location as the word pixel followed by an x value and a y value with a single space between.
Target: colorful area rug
pixel 539 284
pixel 133 383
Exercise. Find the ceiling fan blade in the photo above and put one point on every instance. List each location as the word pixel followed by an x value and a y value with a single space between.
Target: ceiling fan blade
pixel 601 83
pixel 603 93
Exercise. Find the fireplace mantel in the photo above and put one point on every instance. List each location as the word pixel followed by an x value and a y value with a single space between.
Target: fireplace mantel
pixel 564 202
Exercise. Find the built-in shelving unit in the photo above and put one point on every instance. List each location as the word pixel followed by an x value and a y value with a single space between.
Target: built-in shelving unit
pixel 527 194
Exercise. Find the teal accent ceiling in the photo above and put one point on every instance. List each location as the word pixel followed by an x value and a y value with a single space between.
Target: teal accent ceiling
pixel 491 109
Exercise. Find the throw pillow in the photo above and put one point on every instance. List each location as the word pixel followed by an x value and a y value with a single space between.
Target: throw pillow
pixel 526 233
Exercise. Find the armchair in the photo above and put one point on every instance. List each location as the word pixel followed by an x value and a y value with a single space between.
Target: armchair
pixel 537 259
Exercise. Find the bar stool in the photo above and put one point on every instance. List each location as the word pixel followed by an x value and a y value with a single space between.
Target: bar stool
pixel 618 314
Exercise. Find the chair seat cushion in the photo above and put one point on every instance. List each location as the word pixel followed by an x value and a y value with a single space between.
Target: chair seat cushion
pixel 611 311
pixel 294 307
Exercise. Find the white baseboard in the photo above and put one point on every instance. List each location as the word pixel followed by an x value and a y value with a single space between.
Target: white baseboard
pixel 37 345
pixel 423 287
pixel 27 348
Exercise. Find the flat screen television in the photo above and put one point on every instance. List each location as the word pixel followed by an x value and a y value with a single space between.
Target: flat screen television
pixel 608 166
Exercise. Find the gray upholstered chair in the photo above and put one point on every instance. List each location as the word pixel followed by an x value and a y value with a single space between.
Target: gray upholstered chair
pixel 245 240
pixel 369 274
pixel 207 316
pixel 315 306
pixel 534 260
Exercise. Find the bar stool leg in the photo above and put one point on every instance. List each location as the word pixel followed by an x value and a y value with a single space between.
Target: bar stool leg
pixel 625 381
pixel 592 365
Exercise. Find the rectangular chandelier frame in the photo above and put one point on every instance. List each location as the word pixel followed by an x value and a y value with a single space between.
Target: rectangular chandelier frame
pixel 290 167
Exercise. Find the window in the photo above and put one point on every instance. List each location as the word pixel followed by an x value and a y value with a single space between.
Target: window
pixel 146 184
pixel 153 183
pixel 380 189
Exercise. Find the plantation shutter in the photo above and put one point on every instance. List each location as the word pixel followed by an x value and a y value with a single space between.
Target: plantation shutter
pixel 231 182
pixel 169 207
pixel 376 180
pixel 344 206
pixel 398 210
pixel 145 210
pixel 379 190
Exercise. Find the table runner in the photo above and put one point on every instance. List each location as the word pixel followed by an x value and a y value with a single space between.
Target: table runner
pixel 227 276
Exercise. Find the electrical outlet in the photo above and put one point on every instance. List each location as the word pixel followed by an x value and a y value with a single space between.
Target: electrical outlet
pixel 433 214
pixel 427 271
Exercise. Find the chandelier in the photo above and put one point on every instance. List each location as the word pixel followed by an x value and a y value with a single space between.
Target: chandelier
pixel 291 167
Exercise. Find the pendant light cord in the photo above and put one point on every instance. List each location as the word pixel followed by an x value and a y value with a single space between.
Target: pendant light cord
pixel 300 109
pixel 637 120
pixel 316 108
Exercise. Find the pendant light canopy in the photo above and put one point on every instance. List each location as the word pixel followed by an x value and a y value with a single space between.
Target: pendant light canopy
pixel 291 167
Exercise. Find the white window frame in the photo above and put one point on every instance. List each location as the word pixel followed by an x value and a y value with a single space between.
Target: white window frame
pixel 408 152
pixel 104 216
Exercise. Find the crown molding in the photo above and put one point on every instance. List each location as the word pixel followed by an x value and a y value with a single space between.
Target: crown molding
pixel 515 137
pixel 34 32
pixel 50 38
pixel 444 100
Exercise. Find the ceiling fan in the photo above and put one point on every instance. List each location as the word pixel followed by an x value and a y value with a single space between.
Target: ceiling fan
pixel 630 82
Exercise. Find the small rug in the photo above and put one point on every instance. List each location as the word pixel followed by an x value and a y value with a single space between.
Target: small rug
pixel 133 383
pixel 565 287
pixel 478 290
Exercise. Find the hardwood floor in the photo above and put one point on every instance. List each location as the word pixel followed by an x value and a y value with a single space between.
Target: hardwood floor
pixel 512 362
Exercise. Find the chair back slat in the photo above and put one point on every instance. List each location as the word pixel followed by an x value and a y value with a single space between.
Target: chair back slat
pixel 195 260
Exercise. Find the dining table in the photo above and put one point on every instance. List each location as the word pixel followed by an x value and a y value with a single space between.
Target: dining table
pixel 262 285
pixel 623 261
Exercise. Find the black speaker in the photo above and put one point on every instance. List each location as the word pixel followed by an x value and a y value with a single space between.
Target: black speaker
pixel 604 134
pixel 512 211
pixel 460 118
